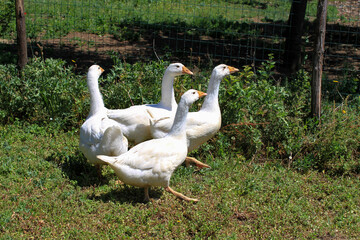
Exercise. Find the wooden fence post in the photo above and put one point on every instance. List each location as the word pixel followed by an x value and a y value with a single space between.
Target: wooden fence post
pixel 319 48
pixel 293 43
pixel 21 34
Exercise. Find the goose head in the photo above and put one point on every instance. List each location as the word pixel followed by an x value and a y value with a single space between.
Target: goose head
pixel 192 95
pixel 96 101
pixel 167 89
pixel 94 72
pixel 177 69
pixel 211 102
pixel 188 98
pixel 223 70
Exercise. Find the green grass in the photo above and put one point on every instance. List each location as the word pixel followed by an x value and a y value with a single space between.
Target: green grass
pixel 42 197
pixel 56 18
pixel 275 172
pixel 271 122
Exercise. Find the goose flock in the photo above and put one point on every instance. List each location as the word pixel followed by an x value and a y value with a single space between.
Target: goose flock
pixel 163 133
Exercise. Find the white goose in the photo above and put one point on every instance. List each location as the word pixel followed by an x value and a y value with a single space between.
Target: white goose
pixel 201 125
pixel 134 120
pixel 99 134
pixel 152 163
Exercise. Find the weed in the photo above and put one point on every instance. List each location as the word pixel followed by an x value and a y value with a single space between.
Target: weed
pixel 7 16
pixel 46 92
pixel 262 119
pixel 249 192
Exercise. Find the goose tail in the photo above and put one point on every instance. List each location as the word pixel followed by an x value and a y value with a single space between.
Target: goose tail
pixel 107 159
pixel 115 142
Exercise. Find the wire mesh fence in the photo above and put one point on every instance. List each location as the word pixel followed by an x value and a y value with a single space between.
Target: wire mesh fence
pixel 342 49
pixel 232 31
pixel 223 30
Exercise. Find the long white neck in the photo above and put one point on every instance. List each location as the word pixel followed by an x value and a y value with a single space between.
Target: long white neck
pixel 96 101
pixel 179 125
pixel 167 91
pixel 211 101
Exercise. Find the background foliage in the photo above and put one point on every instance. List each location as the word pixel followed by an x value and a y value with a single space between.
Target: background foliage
pixel 262 119
pixel 7 18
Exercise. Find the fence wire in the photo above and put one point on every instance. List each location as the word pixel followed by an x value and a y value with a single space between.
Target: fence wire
pixel 231 30
pixel 237 32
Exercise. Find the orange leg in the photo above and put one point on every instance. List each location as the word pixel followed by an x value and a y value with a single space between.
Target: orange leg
pixel 179 195
pixel 196 162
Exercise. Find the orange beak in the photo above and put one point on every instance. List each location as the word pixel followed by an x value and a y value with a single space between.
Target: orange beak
pixel 185 70
pixel 232 69
pixel 201 94
pixel 102 70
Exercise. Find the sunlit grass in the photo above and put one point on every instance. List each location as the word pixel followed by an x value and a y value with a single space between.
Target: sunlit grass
pixel 288 178
pixel 238 198
pixel 57 18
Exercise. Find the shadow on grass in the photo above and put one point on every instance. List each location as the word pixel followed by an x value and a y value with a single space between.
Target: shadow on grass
pixel 76 168
pixel 127 194
pixel 208 40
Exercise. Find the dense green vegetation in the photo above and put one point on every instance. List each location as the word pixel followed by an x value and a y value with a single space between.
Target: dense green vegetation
pixel 262 118
pixel 276 172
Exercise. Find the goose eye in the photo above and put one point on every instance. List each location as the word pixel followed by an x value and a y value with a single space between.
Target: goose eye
pixel 193 92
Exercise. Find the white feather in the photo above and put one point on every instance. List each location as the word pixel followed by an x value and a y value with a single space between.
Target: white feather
pixel 201 125
pixel 134 121
pixel 151 163
pixel 99 134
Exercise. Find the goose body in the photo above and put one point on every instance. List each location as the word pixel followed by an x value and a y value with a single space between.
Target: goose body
pixel 201 125
pixel 134 121
pixel 99 134
pixel 152 162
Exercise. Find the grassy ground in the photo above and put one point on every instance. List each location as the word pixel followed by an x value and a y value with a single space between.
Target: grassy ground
pixel 55 18
pixel 49 191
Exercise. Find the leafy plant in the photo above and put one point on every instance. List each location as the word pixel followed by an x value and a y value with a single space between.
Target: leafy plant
pixel 347 84
pixel 262 119
pixel 333 146
pixel 266 121
pixel 47 92
pixel 132 84
pixel 7 18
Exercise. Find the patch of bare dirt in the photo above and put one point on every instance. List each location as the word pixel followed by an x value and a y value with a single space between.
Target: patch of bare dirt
pixel 349 10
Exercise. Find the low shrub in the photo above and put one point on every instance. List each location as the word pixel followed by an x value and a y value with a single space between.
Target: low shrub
pixel 333 146
pixel 50 91
pixel 262 118
pixel 131 84
pixel 46 91
pixel 7 18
